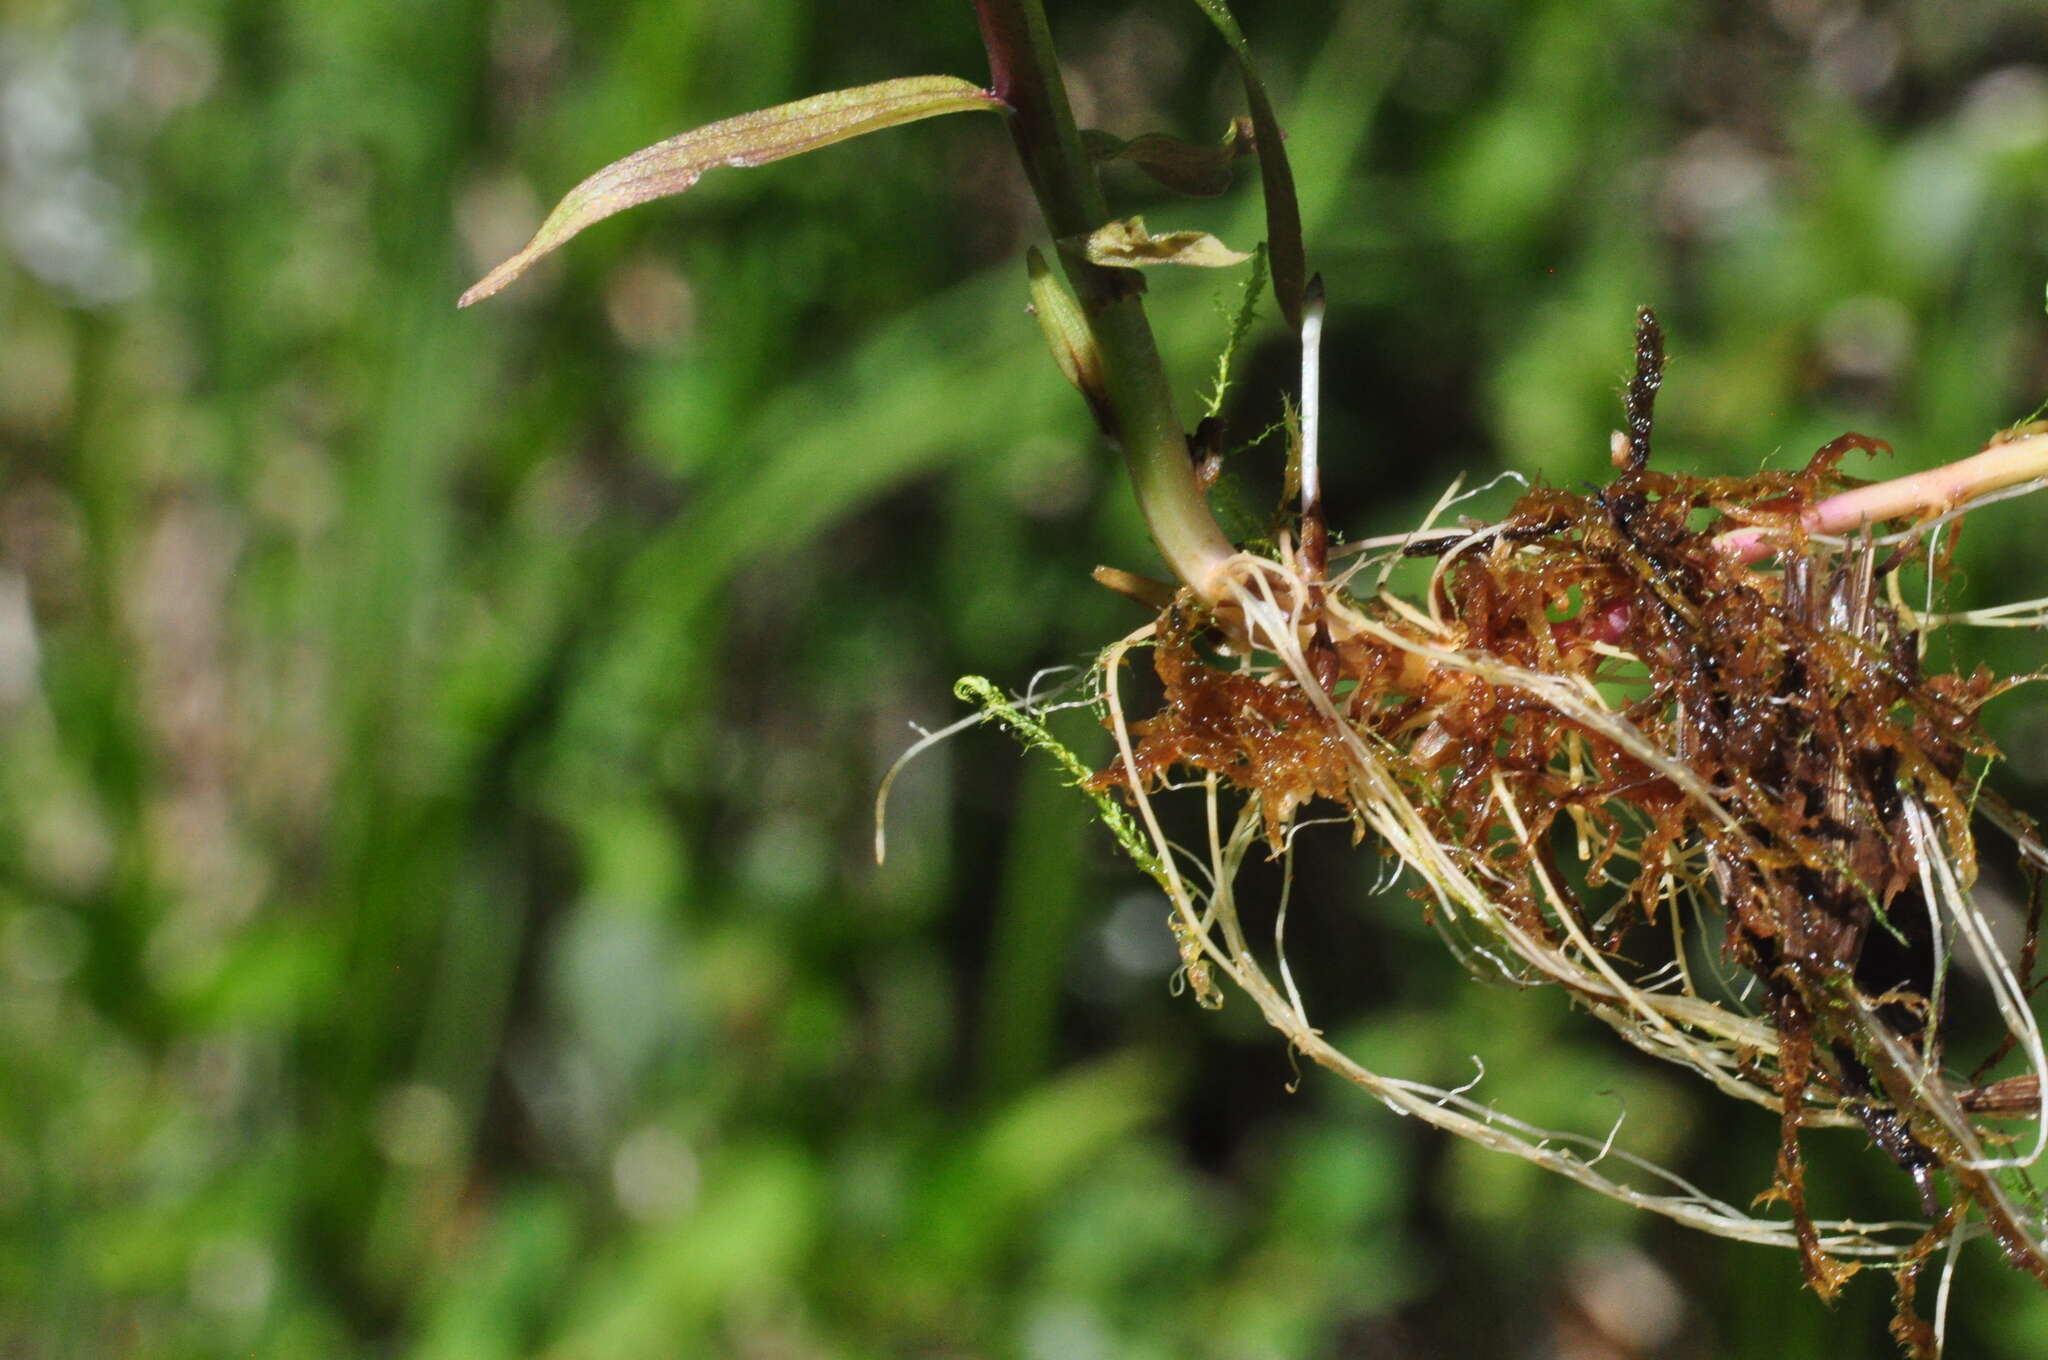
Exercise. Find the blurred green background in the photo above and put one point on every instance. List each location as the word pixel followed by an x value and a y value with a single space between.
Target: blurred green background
pixel 436 909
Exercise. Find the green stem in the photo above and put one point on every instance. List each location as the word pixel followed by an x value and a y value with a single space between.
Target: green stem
pixel 1027 78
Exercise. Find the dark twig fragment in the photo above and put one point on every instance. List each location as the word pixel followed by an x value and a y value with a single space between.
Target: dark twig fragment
pixel 1641 400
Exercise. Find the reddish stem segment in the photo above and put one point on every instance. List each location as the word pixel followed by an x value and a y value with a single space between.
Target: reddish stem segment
pixel 1933 492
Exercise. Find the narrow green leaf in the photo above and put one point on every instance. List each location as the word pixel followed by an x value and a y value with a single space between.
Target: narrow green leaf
pixel 1193 168
pixel 1283 211
pixel 1128 245
pixel 750 139
pixel 1067 335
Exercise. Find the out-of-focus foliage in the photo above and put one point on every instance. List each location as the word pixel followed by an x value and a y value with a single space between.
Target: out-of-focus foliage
pixel 435 748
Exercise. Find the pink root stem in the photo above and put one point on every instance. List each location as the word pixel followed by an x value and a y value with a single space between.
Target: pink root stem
pixel 1933 492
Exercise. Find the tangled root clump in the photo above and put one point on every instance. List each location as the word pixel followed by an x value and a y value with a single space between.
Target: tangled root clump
pixel 1759 748
pixel 1672 746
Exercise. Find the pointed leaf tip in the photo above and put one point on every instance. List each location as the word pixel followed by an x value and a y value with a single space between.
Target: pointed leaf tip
pixel 1283 210
pixel 1067 335
pixel 751 139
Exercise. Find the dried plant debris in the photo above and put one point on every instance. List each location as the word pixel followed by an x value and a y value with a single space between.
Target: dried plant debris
pixel 1760 747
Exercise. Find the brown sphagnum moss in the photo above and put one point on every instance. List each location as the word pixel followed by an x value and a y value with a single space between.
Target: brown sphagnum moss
pixel 1674 718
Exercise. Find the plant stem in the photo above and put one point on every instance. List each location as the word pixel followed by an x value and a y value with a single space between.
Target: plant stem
pixel 1930 492
pixel 1027 78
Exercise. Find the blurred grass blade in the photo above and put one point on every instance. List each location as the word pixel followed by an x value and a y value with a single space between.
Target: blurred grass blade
pixel 750 139
pixel 1283 211
pixel 1200 170
pixel 1127 244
